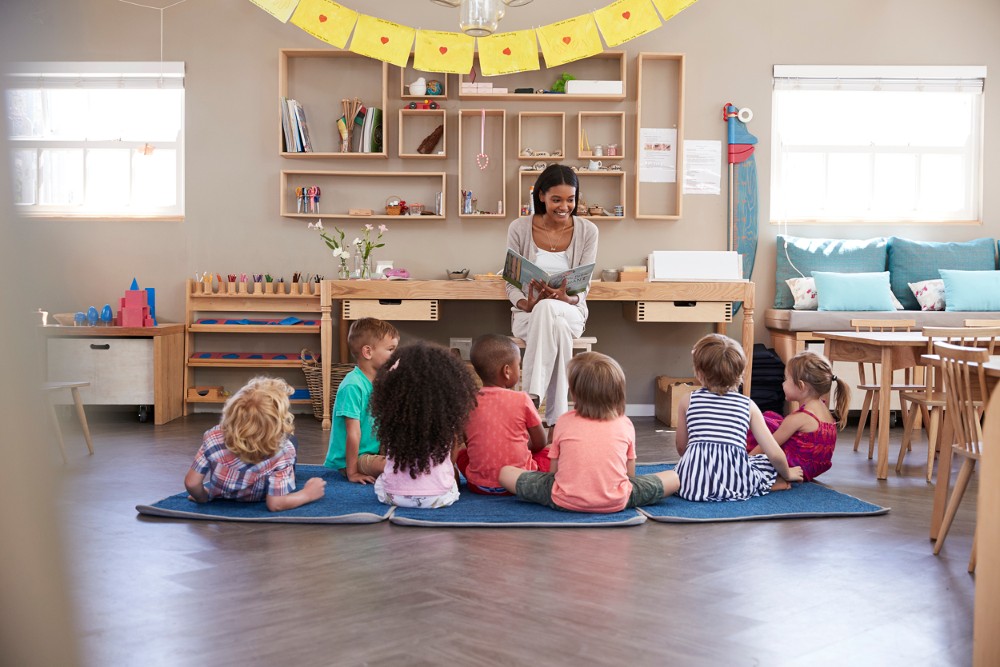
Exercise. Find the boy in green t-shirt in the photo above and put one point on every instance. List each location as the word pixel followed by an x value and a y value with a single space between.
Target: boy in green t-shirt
pixel 354 450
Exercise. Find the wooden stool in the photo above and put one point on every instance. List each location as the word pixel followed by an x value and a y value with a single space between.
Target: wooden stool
pixel 582 344
pixel 74 387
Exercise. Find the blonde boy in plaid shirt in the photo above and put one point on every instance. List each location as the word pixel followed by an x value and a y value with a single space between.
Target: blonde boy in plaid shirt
pixel 249 456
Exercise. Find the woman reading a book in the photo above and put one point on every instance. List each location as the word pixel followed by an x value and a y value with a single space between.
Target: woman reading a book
pixel 548 317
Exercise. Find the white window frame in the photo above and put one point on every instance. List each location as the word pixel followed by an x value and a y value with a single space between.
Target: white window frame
pixel 100 75
pixel 791 78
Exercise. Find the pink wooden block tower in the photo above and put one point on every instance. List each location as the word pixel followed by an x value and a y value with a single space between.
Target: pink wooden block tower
pixel 133 308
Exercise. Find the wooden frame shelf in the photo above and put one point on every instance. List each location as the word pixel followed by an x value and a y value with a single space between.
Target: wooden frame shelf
pixel 306 75
pixel 409 74
pixel 610 65
pixel 363 189
pixel 253 329
pixel 545 130
pixel 598 127
pixel 424 119
pixel 488 185
pixel 586 188
pixel 659 104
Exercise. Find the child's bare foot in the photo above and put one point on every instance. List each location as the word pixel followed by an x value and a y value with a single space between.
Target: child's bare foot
pixel 780 485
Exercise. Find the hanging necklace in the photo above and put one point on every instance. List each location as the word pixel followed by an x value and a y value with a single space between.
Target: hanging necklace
pixel 548 239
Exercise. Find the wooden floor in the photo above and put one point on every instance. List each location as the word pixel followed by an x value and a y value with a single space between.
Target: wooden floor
pixel 861 591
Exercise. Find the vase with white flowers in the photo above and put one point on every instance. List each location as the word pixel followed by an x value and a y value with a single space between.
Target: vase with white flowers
pixel 363 247
pixel 336 245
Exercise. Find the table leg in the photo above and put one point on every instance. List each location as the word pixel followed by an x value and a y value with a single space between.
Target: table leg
pixel 58 429
pixel 884 403
pixel 82 416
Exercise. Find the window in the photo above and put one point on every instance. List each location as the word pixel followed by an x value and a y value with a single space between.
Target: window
pixel 97 139
pixel 877 144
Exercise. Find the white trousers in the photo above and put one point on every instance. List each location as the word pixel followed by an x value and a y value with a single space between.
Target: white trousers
pixel 548 332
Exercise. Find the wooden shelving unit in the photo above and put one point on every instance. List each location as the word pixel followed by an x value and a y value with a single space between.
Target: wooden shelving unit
pixel 487 185
pixel 605 188
pixel 364 190
pixel 319 79
pixel 600 128
pixel 541 132
pixel 610 66
pixel 659 104
pixel 222 306
pixel 415 125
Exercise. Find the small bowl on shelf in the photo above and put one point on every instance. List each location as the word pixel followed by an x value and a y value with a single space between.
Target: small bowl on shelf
pixel 458 274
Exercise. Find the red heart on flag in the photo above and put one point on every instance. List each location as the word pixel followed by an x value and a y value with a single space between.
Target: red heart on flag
pixel 322 18
pixel 443 49
pixel 385 40
pixel 506 51
pixel 626 15
pixel 567 40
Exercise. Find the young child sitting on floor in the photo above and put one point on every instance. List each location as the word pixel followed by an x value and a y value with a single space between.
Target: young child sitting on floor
pixel 711 435
pixel 504 428
pixel 249 456
pixel 808 435
pixel 420 403
pixel 593 448
pixel 354 449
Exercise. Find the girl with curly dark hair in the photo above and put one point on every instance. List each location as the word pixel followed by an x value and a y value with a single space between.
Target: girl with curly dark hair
pixel 420 403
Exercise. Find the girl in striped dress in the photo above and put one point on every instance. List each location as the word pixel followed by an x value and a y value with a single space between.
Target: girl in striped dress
pixel 711 436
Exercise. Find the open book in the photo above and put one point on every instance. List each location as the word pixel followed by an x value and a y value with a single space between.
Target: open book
pixel 519 272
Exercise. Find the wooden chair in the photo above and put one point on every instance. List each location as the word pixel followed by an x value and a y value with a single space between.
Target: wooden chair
pixel 50 388
pixel 930 402
pixel 965 389
pixel 982 323
pixel 871 388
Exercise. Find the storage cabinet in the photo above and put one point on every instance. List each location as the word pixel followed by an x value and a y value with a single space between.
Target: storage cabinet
pixel 227 333
pixel 141 366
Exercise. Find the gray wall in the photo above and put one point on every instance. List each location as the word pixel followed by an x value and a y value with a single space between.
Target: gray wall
pixel 231 47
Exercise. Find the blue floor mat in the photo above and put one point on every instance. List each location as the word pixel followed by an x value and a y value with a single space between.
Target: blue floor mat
pixel 344 502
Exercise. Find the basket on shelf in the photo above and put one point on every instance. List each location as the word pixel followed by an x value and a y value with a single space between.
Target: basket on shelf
pixel 313 370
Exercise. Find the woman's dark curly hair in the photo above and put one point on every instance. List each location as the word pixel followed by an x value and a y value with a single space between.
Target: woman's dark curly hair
pixel 420 403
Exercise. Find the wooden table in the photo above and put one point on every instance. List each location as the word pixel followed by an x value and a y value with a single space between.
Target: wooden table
pixel 893 350
pixel 686 293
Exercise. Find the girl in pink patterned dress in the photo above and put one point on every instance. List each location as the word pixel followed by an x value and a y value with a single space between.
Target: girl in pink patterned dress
pixel 808 435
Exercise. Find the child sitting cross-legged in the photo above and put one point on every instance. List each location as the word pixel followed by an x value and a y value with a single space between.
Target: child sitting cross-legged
pixel 504 428
pixel 593 448
pixel 421 401
pixel 249 456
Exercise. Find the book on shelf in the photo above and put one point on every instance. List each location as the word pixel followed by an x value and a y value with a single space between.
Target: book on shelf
pixel 519 271
pixel 295 127
pixel 286 125
pixel 303 127
pixel 371 131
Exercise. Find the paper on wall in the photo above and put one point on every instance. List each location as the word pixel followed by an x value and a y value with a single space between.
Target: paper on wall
pixel 702 167
pixel 657 155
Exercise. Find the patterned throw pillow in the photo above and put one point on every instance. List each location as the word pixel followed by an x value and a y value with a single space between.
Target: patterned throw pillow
pixel 804 291
pixel 929 294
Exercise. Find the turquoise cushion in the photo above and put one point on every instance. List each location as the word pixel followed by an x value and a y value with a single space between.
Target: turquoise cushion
pixel 972 291
pixel 799 257
pixel 914 261
pixel 853 291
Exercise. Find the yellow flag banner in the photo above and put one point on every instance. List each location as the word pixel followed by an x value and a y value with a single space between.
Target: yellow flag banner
pixel 626 19
pixel 279 9
pixel 569 40
pixel 444 52
pixel 508 52
pixel 382 40
pixel 325 20
pixel 671 8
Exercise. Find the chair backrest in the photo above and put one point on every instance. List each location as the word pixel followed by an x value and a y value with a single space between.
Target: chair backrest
pixel 982 323
pixel 984 337
pixel 882 325
pixel 965 389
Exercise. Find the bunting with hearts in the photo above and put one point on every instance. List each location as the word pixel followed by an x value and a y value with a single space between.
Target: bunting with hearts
pixel 508 53
pixel 625 20
pixel 325 20
pixel 443 52
pixel 279 9
pixel 670 8
pixel 569 40
pixel 382 40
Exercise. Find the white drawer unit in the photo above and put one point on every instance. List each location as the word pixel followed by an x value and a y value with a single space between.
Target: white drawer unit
pixel 120 370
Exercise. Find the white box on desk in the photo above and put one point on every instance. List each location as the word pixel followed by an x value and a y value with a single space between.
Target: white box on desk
pixel 694 265
pixel 591 87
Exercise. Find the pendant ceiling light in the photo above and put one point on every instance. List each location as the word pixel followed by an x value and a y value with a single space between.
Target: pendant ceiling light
pixel 480 18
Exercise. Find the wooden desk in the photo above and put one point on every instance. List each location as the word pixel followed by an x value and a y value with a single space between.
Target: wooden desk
pixel 487 290
pixel 149 372
pixel 893 350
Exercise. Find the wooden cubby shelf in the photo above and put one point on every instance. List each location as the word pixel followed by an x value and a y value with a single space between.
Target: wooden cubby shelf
pixel 597 188
pixel 607 66
pixel 600 128
pixel 319 79
pixel 488 186
pixel 659 104
pixel 541 136
pixel 363 190
pixel 417 124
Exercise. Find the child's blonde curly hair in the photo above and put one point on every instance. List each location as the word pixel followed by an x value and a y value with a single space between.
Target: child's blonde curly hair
pixel 257 419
